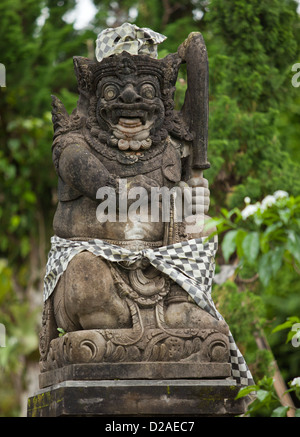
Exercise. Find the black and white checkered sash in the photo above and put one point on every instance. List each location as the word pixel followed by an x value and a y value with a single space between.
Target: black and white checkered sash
pixel 191 264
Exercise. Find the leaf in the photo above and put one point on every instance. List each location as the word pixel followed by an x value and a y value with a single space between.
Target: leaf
pixel 272 229
pixel 282 326
pixel 214 222
pixel 297 412
pixel 251 247
pixel 280 412
pixel 262 395
pixel 61 331
pixel 15 221
pixel 292 335
pixel 267 383
pixel 291 323
pixel 240 236
pixel 30 197
pixel 293 244
pixel 24 246
pixel 264 243
pixel 225 212
pixel 294 319
pixel 265 268
pixel 284 214
pixel 276 259
pixel 245 391
pixel 229 244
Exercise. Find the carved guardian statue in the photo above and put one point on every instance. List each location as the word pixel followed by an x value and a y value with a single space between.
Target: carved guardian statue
pixel 134 292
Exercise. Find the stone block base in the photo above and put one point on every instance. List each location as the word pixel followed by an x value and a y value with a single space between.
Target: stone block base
pixel 155 398
pixel 107 371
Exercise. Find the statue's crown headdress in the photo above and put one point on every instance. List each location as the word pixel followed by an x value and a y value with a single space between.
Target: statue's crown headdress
pixel 114 50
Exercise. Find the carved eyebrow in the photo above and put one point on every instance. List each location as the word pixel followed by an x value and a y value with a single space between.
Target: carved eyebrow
pixel 136 82
pixel 148 79
pixel 107 80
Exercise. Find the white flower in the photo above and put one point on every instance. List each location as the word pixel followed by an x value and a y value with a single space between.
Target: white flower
pixel 267 201
pixel 249 210
pixel 279 194
pixel 247 200
pixel 296 382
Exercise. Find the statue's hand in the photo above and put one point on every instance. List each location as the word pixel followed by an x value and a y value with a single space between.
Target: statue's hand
pixel 142 181
pixel 199 194
pixel 199 197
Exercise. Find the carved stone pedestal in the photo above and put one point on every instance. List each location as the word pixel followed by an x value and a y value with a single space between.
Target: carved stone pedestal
pixel 137 397
pixel 132 371
pixel 148 370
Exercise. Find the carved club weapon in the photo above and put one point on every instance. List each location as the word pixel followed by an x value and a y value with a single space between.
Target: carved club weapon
pixel 195 108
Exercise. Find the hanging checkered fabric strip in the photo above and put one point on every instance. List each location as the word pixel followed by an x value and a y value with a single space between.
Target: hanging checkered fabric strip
pixel 190 264
pixel 128 38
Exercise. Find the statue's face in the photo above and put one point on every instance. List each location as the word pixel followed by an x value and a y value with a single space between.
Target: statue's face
pixel 129 107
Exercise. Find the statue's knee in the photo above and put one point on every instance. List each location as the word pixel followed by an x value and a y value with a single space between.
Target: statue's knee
pixel 63 319
pixel 88 277
pixel 90 296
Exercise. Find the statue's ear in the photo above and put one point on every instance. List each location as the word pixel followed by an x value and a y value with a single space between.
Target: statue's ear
pixel 83 73
pixel 171 64
pixel 60 116
pixel 195 108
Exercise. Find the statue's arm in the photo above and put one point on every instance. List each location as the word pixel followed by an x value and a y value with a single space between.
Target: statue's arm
pixel 81 170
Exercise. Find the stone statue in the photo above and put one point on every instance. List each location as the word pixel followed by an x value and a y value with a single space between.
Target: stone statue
pixel 132 286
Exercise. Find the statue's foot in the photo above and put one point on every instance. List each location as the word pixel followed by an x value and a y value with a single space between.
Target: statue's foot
pixel 189 315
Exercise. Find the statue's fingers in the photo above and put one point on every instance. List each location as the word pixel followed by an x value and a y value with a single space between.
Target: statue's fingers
pixel 199 208
pixel 198 182
pixel 200 191
pixel 202 200
pixel 188 195
pixel 183 184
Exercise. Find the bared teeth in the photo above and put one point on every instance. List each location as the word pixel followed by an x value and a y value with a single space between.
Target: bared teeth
pixel 130 122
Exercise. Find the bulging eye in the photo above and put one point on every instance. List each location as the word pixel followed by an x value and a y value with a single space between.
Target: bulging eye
pixel 147 91
pixel 110 92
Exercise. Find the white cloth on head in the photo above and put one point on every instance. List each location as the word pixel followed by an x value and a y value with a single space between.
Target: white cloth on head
pixel 129 38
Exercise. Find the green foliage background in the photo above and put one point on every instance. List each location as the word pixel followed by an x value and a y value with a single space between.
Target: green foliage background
pixel 254 129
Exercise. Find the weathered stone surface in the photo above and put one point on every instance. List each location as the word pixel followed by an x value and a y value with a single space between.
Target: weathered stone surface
pixel 153 398
pixel 157 346
pixel 124 371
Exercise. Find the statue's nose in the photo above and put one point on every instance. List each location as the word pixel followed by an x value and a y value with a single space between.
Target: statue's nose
pixel 129 95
